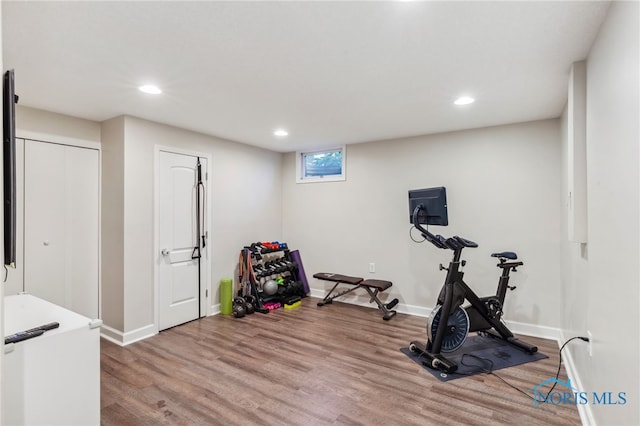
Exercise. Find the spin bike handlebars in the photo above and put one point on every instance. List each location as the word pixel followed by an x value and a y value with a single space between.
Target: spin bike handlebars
pixel 454 243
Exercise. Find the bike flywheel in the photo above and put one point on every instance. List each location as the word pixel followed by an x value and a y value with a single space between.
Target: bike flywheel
pixel 457 328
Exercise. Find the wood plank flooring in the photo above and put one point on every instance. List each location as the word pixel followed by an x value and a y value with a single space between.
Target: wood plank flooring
pixel 336 365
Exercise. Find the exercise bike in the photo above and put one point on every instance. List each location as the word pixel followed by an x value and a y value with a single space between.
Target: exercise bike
pixel 450 322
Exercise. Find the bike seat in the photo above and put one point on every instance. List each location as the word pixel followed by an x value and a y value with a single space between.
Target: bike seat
pixel 506 254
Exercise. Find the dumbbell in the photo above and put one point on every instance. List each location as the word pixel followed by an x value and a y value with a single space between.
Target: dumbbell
pixel 291 265
pixel 256 250
pixel 250 304
pixel 269 268
pixel 239 307
pixel 288 266
pixel 259 270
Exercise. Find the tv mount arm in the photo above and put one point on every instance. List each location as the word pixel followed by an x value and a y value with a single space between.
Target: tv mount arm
pixel 454 243
pixel 437 240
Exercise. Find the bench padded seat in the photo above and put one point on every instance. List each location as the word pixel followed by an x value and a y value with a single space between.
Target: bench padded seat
pixel 337 278
pixel 379 284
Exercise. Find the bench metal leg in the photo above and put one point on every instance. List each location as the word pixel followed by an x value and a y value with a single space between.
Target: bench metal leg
pixel 386 309
pixel 329 299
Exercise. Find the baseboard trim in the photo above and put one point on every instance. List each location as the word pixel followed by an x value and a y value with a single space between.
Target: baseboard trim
pixel 124 339
pixel 525 329
pixel 533 330
pixel 358 300
pixel 214 309
pixel 111 334
pixel 584 410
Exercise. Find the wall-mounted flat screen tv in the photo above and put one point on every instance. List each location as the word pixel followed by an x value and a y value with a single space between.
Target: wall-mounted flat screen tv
pixel 9 167
pixel 428 206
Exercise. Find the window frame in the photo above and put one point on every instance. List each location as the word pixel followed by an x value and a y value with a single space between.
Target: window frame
pixel 300 164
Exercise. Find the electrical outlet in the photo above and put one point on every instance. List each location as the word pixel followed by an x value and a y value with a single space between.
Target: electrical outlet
pixel 590 343
pixel 372 268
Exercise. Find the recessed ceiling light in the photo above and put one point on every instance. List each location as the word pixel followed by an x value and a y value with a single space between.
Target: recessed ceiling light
pixel 281 133
pixel 150 89
pixel 464 100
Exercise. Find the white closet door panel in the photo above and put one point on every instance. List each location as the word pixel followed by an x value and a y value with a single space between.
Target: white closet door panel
pixel 61 243
pixel 44 218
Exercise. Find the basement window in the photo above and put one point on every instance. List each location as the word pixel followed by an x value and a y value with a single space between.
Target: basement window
pixel 326 165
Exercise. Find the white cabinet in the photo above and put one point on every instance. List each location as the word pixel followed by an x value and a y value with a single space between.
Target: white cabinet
pixel 52 379
pixel 60 239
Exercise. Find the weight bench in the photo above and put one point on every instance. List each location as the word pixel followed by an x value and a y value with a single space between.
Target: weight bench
pixel 373 287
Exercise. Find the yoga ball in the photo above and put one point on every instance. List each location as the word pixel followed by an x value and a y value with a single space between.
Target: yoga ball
pixel 270 288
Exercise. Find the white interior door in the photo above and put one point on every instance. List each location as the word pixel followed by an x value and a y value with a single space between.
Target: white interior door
pixel 179 288
pixel 61 225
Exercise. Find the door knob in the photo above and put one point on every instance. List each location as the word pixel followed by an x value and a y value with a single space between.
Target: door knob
pixel 165 252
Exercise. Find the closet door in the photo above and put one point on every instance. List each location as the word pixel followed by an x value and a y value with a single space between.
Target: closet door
pixel 61 201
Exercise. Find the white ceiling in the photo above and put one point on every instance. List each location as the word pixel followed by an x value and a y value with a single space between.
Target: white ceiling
pixel 330 72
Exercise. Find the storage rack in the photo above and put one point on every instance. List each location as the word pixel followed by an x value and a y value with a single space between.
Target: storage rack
pixel 264 261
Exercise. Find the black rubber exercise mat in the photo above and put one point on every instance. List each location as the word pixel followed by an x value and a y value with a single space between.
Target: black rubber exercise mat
pixel 477 355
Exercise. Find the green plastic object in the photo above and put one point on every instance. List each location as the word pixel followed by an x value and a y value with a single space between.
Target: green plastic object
pixel 226 296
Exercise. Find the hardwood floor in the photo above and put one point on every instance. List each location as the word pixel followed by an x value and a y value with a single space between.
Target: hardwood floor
pixel 336 365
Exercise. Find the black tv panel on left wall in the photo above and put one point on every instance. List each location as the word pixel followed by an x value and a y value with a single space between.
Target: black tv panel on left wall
pixel 9 167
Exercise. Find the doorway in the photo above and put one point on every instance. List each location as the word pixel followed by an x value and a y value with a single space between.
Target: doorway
pixel 182 238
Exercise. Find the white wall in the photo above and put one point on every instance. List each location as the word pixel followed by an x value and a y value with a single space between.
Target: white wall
pixel 33 122
pixel 503 190
pixel 246 198
pixel 601 277
pixel 112 223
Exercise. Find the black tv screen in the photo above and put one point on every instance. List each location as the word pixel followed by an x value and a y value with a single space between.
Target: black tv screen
pixel 432 203
pixel 9 167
